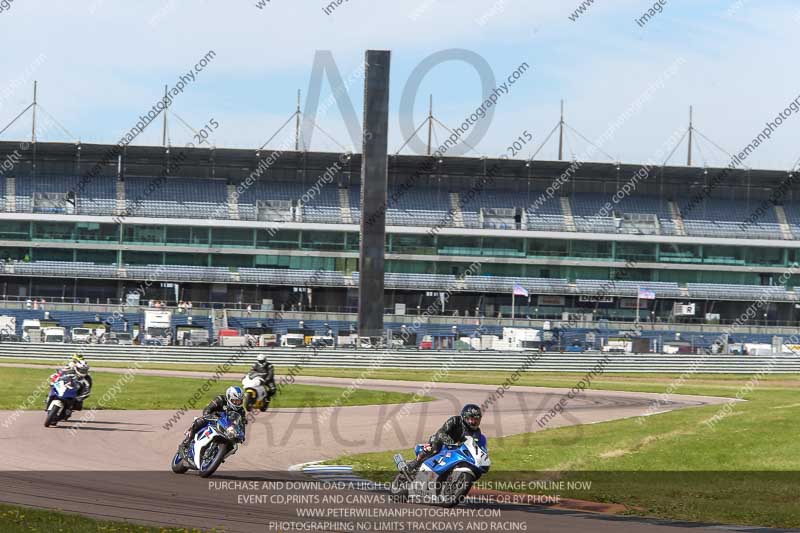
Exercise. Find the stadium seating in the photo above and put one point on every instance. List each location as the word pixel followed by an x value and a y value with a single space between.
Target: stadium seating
pixel 205 198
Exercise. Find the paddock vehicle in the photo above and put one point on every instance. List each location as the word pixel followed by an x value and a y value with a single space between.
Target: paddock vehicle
pixel 211 445
pixel 444 479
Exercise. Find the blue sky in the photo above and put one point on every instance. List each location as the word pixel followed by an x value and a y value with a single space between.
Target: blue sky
pixel 105 62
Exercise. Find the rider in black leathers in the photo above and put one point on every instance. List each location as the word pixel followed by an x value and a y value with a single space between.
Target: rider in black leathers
pixel 453 432
pixel 231 401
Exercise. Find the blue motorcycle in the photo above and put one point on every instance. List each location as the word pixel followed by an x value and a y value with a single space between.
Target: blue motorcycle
pixel 446 478
pixel 63 394
pixel 211 445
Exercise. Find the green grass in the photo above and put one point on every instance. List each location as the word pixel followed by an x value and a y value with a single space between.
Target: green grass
pixel 743 471
pixel 156 392
pixel 25 520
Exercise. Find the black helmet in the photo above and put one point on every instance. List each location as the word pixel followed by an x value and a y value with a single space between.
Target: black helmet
pixel 471 416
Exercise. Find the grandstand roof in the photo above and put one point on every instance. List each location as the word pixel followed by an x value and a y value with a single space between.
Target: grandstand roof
pixel 239 163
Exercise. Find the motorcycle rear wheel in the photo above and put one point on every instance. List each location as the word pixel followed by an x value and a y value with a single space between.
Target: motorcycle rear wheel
pixel 250 396
pixel 222 451
pixel 399 487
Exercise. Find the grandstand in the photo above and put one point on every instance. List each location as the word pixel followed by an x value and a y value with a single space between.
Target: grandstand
pixel 77 225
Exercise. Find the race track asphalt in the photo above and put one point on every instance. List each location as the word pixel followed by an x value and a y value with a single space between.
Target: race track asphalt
pixel 116 466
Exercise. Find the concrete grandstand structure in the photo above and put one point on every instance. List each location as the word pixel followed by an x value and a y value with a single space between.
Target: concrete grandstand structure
pixel 88 221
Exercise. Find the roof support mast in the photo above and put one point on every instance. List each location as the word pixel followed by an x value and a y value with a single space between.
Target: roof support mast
pixel 691 128
pixel 561 134
pixel 164 129
pixel 33 122
pixel 297 124
pixel 430 123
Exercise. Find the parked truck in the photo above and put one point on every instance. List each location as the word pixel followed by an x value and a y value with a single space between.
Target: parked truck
pixel 31 330
pixel 8 327
pixel 157 326
pixel 54 335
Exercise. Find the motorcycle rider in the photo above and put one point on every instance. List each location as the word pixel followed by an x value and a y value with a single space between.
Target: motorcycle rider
pixel 264 369
pixel 453 432
pixel 231 402
pixel 80 370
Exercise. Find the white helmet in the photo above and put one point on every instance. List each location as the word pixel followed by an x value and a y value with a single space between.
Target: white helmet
pixel 261 359
pixel 81 368
pixel 235 397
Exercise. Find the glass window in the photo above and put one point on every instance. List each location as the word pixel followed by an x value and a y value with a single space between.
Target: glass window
pixel 765 256
pixel 503 247
pixel 14 230
pixel 597 250
pixel 144 234
pixel 413 244
pixel 53 231
pixel 179 235
pixel 636 251
pixel 281 239
pixel 232 237
pixel 547 248
pixel 724 255
pixel 91 231
pixel 679 253
pixel 323 240
pixel 455 245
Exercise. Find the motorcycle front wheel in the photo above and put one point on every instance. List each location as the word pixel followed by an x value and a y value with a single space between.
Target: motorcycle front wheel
pixel 211 463
pixel 177 464
pixel 52 416
pixel 455 488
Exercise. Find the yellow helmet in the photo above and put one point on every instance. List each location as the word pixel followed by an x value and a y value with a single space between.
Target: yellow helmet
pixel 76 357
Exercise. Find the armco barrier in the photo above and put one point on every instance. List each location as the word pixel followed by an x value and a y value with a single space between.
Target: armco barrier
pixel 330 358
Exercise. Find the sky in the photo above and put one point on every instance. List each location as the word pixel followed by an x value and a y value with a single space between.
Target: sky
pixel 100 64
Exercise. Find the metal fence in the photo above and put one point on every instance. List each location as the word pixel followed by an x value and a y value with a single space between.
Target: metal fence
pixel 412 360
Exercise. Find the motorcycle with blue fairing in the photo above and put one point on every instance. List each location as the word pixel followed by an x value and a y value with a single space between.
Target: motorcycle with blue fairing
pixel 64 390
pixel 446 478
pixel 211 445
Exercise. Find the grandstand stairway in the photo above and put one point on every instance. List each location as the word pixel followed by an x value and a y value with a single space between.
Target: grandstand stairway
pixel 11 194
pixel 344 201
pixel 455 205
pixel 569 219
pixel 120 197
pixel 677 219
pixel 233 203
pixel 786 232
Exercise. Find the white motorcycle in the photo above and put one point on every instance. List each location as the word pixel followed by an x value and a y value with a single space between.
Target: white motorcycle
pixel 211 445
pixel 255 391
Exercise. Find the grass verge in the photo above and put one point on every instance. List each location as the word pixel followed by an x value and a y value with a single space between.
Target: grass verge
pixel 156 392
pixel 743 470
pixel 25 520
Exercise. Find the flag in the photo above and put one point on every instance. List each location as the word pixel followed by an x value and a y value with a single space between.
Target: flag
pixel 519 290
pixel 647 294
